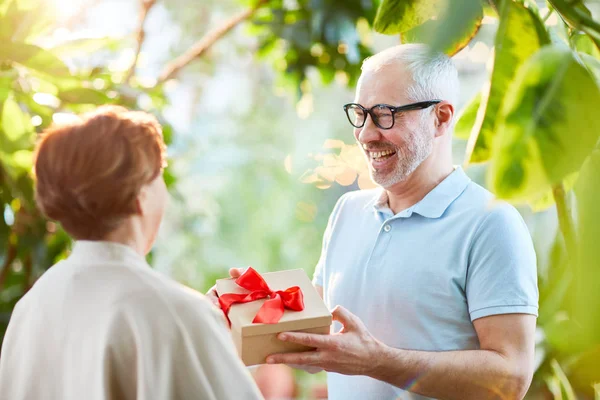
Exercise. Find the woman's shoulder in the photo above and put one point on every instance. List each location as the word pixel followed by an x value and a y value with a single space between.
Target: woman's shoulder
pixel 157 296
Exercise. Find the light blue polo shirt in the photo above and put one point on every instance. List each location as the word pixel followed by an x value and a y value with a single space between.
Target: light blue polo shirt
pixel 419 278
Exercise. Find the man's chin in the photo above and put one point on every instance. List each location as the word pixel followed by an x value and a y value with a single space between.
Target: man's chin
pixel 386 181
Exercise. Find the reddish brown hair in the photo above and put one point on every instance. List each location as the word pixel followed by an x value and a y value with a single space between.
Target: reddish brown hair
pixel 89 172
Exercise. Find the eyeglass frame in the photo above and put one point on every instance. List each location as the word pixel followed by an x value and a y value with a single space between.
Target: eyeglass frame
pixel 421 105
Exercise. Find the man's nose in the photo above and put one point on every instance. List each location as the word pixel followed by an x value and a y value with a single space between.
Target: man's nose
pixel 369 132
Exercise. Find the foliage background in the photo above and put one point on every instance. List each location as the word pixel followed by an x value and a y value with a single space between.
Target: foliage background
pixel 250 93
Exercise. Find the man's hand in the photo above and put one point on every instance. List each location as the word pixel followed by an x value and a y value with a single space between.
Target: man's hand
pixel 212 292
pixel 353 351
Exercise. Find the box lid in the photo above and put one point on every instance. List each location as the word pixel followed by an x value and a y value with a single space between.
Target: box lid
pixel 315 311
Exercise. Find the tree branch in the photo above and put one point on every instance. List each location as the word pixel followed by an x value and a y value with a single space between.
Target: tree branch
pixel 145 5
pixel 201 46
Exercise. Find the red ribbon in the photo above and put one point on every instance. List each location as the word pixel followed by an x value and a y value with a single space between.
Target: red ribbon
pixel 272 310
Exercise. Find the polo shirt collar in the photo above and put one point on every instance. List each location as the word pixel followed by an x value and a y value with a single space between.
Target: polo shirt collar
pixel 435 203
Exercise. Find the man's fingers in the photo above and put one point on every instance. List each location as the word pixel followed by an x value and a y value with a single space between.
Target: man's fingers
pixel 345 317
pixel 307 339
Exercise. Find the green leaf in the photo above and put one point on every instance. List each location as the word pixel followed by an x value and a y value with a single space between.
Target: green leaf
pixel 15 122
pixel 520 34
pixel 84 96
pixel 554 285
pixel 34 57
pixel 562 386
pixel 584 372
pixel 21 20
pixel 399 16
pixel 169 177
pixel 327 74
pixel 466 118
pixel 546 200
pixel 23 160
pixel 592 64
pixel 583 43
pixel 85 46
pixel 585 305
pixel 489 10
pixel 5 88
pixel 548 124
pixel 452 31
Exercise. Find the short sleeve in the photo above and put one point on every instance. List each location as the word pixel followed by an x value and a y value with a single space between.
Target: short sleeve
pixel 319 274
pixel 502 273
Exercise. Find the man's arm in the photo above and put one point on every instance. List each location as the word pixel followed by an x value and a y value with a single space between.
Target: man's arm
pixel 501 369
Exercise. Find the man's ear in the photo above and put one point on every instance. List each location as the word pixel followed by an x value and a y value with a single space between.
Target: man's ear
pixel 444 113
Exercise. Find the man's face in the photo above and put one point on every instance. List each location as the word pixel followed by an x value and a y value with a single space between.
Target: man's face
pixel 392 154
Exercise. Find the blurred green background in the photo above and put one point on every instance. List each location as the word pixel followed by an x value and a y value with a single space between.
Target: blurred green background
pixel 250 95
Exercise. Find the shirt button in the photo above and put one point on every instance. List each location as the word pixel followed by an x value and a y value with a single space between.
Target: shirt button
pixel 387 228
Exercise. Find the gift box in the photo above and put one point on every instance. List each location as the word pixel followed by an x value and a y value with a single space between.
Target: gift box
pixel 292 304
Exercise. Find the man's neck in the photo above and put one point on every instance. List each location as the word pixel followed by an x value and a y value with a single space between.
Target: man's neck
pixel 409 192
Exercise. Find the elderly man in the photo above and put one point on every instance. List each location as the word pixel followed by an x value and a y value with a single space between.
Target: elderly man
pixel 434 280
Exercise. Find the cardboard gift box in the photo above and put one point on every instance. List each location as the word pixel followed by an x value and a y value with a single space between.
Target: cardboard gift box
pixel 255 341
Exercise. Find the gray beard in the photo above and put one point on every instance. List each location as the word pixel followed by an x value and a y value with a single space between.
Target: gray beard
pixel 409 157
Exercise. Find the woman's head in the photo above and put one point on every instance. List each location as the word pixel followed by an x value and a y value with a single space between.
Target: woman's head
pixel 101 171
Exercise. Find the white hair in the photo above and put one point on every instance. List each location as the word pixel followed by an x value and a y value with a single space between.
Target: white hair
pixel 434 76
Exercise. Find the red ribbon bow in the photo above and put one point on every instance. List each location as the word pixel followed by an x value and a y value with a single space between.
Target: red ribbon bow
pixel 272 310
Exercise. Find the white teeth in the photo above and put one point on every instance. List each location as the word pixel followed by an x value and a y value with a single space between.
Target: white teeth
pixel 379 154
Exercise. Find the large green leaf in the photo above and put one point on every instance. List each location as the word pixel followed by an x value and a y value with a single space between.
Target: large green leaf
pixel 585 304
pixel 33 57
pixel 399 16
pixel 549 125
pixel 466 118
pixel 452 30
pixel 592 64
pixel 520 34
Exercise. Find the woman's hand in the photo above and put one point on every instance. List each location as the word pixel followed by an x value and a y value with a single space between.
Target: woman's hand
pixel 212 292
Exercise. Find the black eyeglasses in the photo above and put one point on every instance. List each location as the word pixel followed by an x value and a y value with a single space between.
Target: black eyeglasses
pixel 383 115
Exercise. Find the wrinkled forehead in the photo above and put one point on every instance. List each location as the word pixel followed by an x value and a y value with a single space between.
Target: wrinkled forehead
pixel 383 84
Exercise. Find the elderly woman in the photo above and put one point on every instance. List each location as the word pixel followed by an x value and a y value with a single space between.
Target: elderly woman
pixel 102 324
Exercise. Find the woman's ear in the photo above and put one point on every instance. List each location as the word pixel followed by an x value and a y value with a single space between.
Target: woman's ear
pixel 140 200
pixel 444 113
